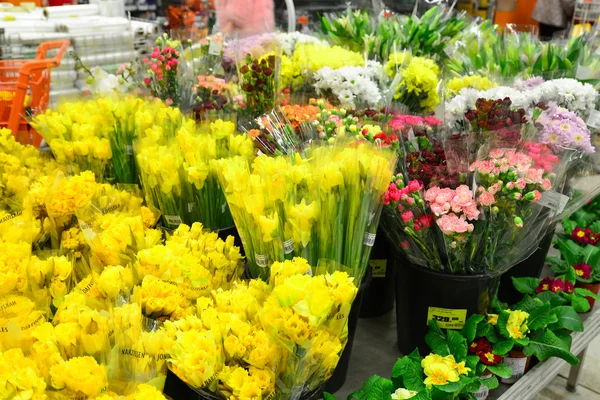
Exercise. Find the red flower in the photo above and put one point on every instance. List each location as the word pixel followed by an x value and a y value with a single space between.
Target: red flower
pixel 558 285
pixel 489 358
pixel 481 345
pixel 583 270
pixel 581 235
pixel 569 287
pixel 545 285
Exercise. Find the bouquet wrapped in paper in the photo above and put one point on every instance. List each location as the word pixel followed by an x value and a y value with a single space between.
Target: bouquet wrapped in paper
pixel 324 206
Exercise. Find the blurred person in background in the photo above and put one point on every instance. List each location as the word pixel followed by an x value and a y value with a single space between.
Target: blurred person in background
pixel 553 16
pixel 247 17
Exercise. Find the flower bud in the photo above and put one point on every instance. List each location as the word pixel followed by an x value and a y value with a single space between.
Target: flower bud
pixel 518 222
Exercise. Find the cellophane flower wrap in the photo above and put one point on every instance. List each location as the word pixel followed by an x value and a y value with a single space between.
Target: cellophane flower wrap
pixel 280 339
pixel 273 134
pixel 78 135
pixel 195 261
pixel 324 206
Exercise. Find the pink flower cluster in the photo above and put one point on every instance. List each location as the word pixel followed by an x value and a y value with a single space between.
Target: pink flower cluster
pixel 446 200
pixel 162 60
pixel 216 85
pixel 401 122
pixel 451 224
pixel 541 156
pixel 396 195
pixel 509 165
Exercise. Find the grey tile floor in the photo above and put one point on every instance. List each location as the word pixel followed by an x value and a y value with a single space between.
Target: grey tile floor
pixel 375 352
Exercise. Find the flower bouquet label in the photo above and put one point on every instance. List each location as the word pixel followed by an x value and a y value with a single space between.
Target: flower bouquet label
pixel 594 119
pixel 518 368
pixel 173 220
pixel 554 201
pixel 369 239
pixel 262 260
pixel 379 268
pixel 215 47
pixel 447 318
pixel 288 246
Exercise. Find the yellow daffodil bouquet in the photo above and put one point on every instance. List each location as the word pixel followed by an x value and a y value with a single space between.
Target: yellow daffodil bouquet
pixel 77 134
pixel 123 112
pixel 195 261
pixel 64 198
pixel 200 145
pixel 50 277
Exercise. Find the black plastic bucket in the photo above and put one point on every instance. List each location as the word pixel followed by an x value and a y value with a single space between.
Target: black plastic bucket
pixel 231 231
pixel 177 389
pixel 422 294
pixel 379 296
pixel 338 378
pixel 532 267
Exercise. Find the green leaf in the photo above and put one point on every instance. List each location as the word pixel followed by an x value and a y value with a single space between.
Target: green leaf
pixel 423 395
pixel 528 304
pixel 595 227
pixel 552 298
pixel 498 305
pixel 491 383
pixel 400 367
pixel 361 393
pixel 580 304
pixel 569 225
pixel 481 367
pixel 526 285
pixel 541 317
pixel 584 218
pixel 436 340
pixel 570 251
pixel 502 321
pixel 522 342
pixel 450 387
pixel 501 348
pixel 470 329
pixel 381 389
pixel 586 293
pixel 567 318
pixel 471 362
pixel 571 275
pixel 591 255
pixel 329 396
pixel 457 345
pixel 549 345
pixel 413 377
pixel 487 331
pixel 565 337
pixel 501 370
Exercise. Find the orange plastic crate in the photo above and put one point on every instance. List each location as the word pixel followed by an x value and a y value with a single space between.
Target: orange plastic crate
pixel 22 78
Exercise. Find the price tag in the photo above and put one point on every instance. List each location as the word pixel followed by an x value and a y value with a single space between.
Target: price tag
pixel 447 318
pixel 224 208
pixel 378 267
pixel 262 260
pixel 413 140
pixel 288 246
pixel 173 220
pixel 215 47
pixel 554 201
pixel 369 239
pixel 190 207
pixel 583 73
pixel 594 119
pixel 129 149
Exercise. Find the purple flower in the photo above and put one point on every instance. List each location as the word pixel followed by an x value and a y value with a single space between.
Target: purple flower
pixel 564 129
pixel 528 84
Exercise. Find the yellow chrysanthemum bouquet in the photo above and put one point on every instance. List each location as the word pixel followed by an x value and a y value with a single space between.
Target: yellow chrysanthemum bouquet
pixel 417 81
pixel 325 206
pixel 77 134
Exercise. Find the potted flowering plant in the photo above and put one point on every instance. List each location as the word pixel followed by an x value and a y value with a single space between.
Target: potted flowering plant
pixel 561 289
pixel 448 372
pixel 532 327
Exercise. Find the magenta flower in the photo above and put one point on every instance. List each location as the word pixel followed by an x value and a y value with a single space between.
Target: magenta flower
pixel 545 285
pixel 583 270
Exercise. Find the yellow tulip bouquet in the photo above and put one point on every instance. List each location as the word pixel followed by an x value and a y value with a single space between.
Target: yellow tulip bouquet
pixel 325 206
pixel 77 134
pixel 265 341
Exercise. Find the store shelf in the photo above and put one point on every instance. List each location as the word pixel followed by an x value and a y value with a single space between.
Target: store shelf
pixel 542 374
